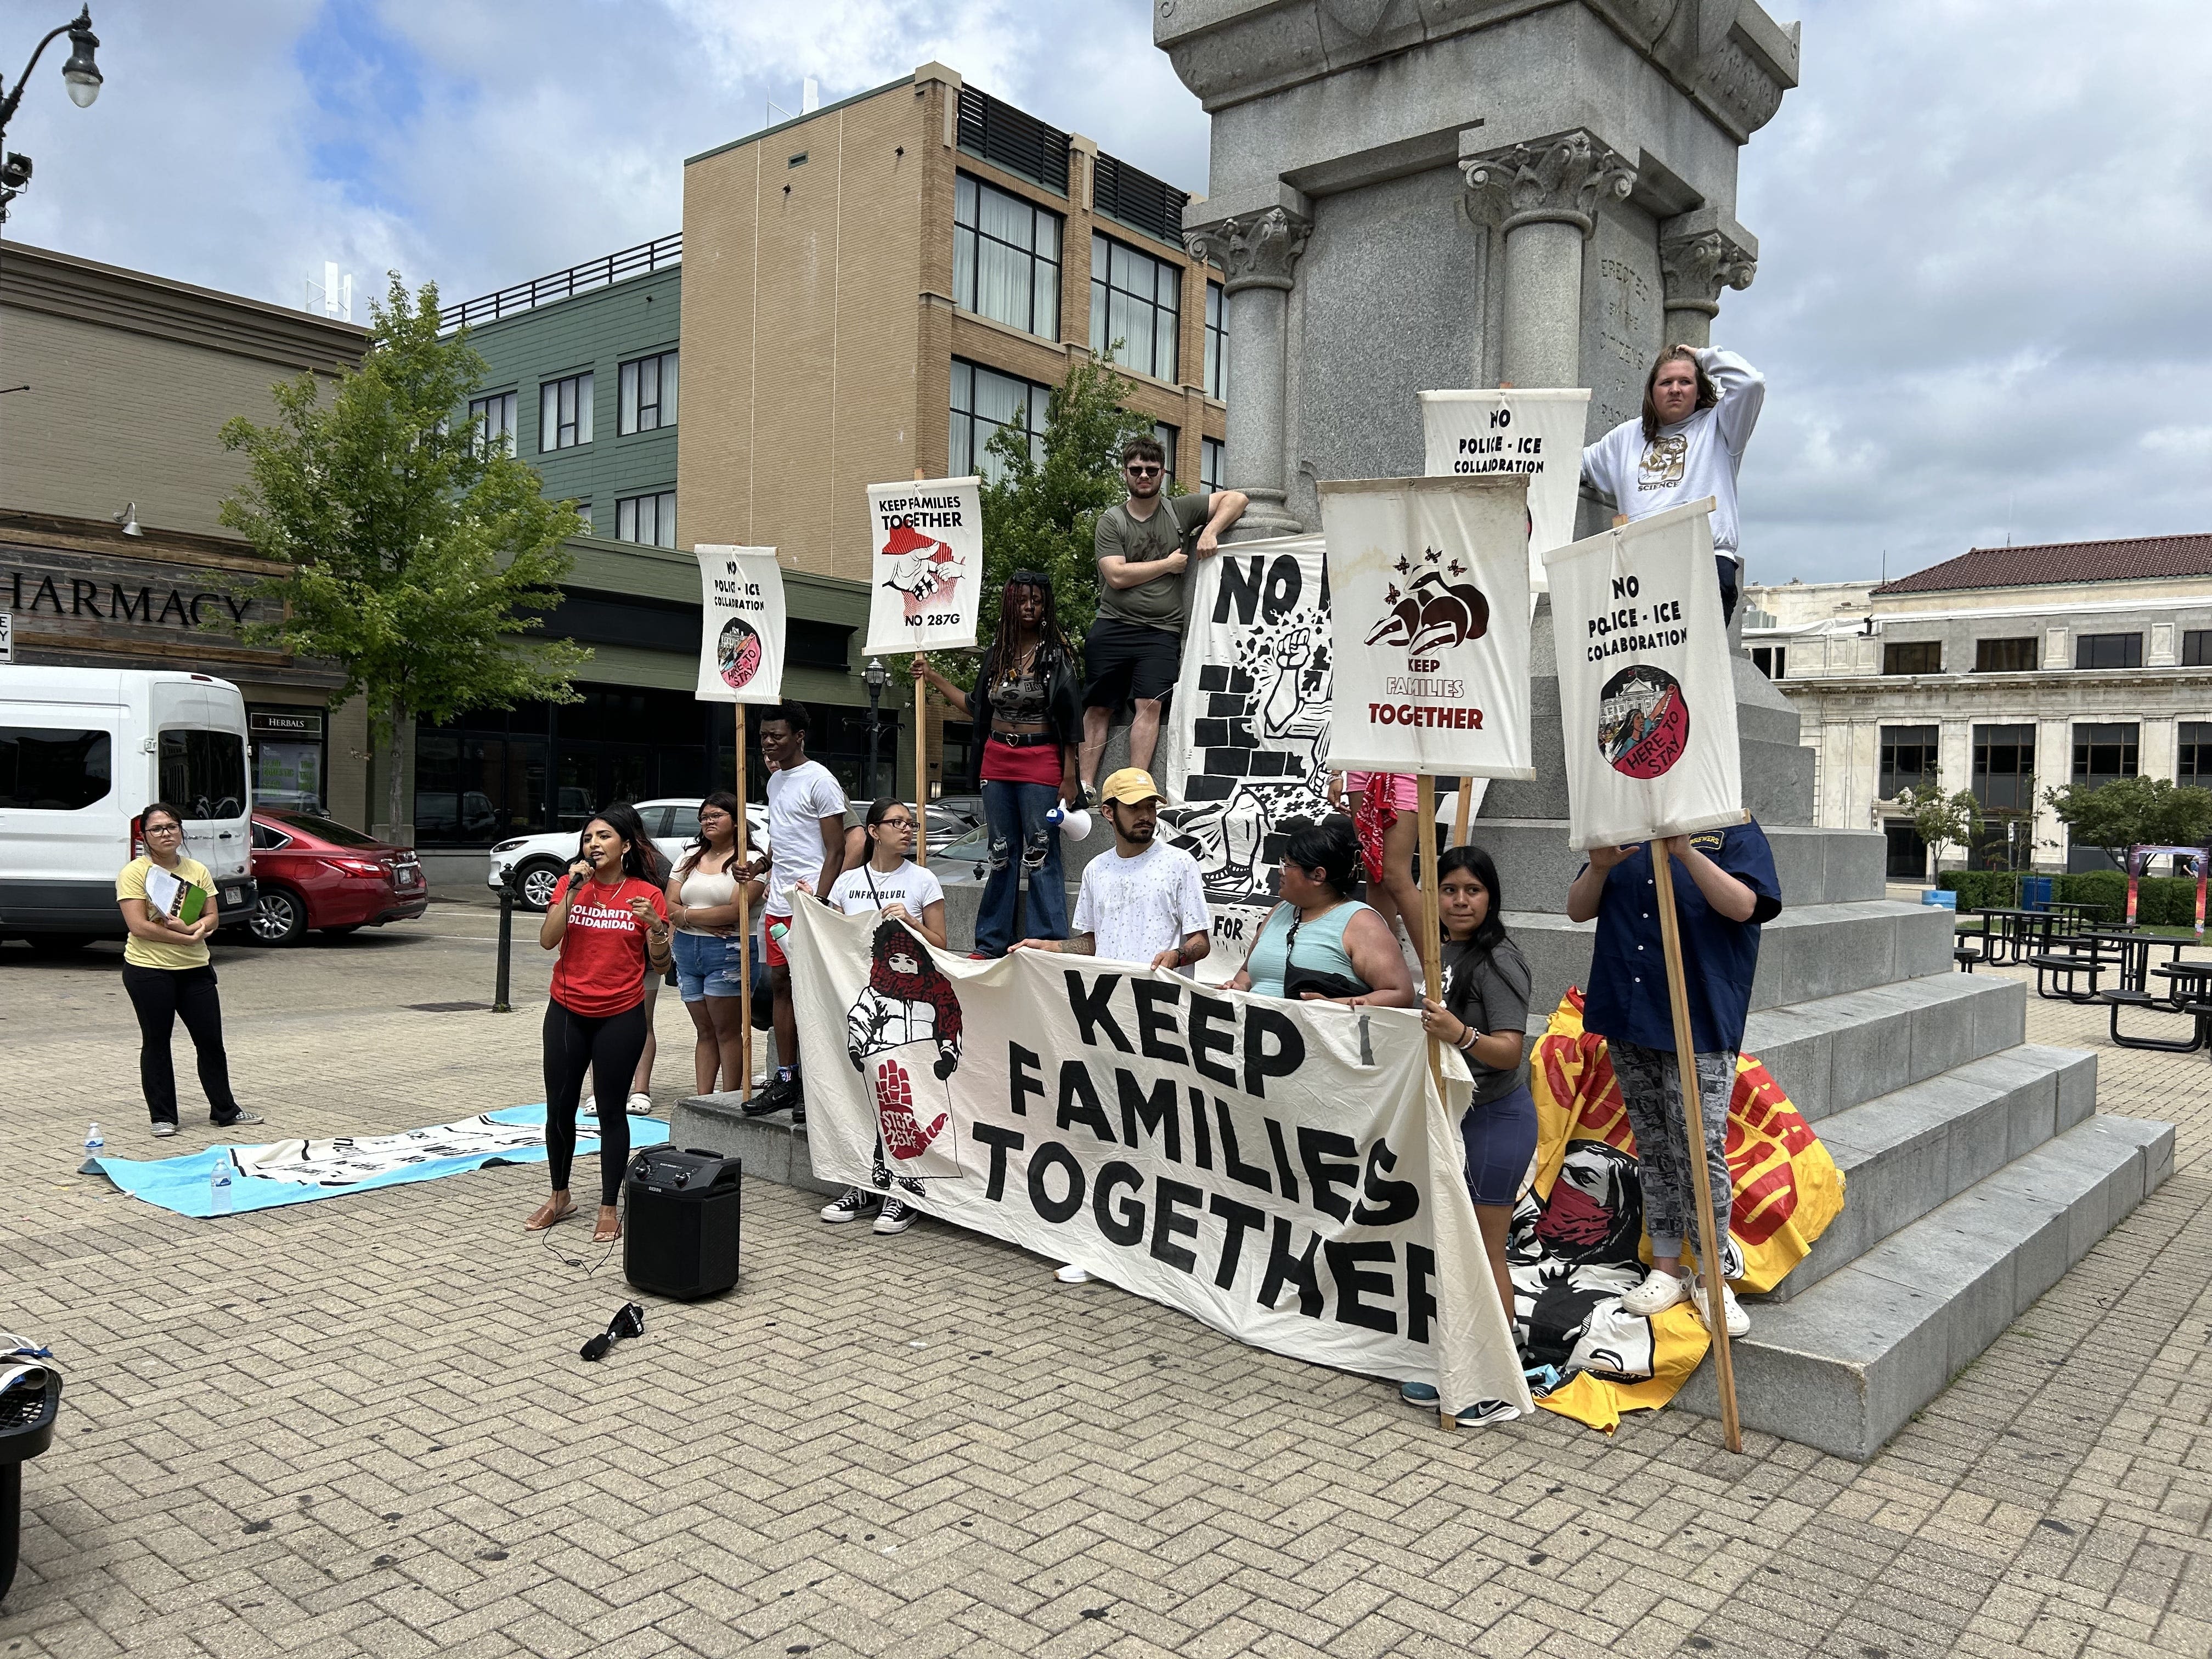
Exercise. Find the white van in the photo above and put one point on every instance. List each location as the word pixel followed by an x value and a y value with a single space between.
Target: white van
pixel 81 750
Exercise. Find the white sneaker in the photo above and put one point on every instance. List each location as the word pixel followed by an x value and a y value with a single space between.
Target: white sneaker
pixel 1739 1322
pixel 1658 1292
pixel 641 1105
pixel 590 1108
pixel 1071 1274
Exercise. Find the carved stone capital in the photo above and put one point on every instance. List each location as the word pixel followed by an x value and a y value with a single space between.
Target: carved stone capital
pixel 1697 267
pixel 1256 250
pixel 1560 179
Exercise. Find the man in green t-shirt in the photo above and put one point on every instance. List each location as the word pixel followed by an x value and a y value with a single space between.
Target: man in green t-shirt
pixel 1135 647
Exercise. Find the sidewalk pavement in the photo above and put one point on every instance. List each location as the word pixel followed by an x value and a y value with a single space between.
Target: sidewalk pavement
pixel 360 1427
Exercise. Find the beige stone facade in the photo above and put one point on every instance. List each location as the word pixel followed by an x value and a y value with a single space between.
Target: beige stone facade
pixel 820 325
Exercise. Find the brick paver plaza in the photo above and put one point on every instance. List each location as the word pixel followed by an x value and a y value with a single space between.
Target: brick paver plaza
pixel 361 1426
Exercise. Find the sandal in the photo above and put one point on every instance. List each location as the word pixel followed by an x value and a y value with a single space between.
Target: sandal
pixel 607 1231
pixel 545 1215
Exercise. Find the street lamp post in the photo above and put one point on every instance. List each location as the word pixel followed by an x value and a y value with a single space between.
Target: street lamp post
pixel 81 74
pixel 877 678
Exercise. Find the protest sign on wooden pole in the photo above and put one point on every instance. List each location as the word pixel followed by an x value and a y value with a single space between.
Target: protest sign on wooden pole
pixel 1712 1252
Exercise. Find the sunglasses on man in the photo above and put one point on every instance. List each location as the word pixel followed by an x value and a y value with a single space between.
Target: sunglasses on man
pixel 1137 471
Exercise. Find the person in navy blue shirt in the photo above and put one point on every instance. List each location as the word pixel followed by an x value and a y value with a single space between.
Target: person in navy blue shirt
pixel 1724 888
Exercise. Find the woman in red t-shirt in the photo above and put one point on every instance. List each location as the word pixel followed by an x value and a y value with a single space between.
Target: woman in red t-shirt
pixel 608 918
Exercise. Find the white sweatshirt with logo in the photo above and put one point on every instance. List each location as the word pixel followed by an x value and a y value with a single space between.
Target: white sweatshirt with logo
pixel 1688 460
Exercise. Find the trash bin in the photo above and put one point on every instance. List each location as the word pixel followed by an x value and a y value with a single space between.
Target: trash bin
pixel 26 1428
pixel 2035 892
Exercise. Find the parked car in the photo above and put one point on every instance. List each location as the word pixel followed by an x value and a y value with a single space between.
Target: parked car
pixel 535 863
pixel 314 872
pixel 952 818
pixel 81 751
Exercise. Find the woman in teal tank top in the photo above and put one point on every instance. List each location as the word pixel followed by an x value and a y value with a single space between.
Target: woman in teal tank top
pixel 1320 928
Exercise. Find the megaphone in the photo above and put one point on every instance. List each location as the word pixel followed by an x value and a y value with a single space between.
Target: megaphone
pixel 1074 822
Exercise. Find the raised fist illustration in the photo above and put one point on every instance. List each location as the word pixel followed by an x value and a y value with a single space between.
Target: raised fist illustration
pixel 903 1133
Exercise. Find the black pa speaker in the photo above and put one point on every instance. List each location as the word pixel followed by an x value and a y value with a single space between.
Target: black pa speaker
pixel 681 1237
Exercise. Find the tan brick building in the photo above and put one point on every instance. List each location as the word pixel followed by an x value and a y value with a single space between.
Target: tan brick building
pixel 871 289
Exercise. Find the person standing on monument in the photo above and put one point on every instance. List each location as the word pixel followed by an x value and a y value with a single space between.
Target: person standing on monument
pixel 1134 649
pixel 806 854
pixel 1724 890
pixel 1700 406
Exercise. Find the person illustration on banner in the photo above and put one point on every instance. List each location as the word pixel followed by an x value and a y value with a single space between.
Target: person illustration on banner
pixel 1321 942
pixel 1134 649
pixel 1484 1014
pixel 1725 889
pixel 1384 805
pixel 1700 406
pixel 1025 703
pixel 806 854
pixel 703 905
pixel 1143 902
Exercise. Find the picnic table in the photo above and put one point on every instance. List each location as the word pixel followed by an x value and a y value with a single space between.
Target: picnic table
pixel 2188 991
pixel 2018 933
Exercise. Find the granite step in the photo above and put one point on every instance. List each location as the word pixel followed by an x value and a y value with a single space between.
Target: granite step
pixel 1833 1053
pixel 1844 1366
pixel 1904 1154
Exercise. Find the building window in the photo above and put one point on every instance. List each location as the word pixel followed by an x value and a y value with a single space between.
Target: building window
pixel 1772 660
pixel 1210 453
pixel 2102 753
pixel 2004 656
pixel 647 400
pixel 1913 657
pixel 1006 259
pixel 2196 648
pixel 564 413
pixel 1908 759
pixel 2194 751
pixel 1166 435
pixel 1136 308
pixel 650 520
pixel 983 400
pixel 584 512
pixel 2108 651
pixel 495 419
pixel 1217 342
pixel 2004 767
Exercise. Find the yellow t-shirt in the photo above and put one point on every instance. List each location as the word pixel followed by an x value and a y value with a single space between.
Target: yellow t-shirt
pixel 130 883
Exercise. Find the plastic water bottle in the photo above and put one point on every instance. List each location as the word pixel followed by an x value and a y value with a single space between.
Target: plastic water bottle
pixel 776 930
pixel 94 1146
pixel 1074 822
pixel 219 1183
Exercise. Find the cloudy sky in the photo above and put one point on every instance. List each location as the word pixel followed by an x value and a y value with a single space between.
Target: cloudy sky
pixel 1984 304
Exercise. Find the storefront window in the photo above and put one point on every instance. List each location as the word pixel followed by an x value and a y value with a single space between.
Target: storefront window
pixel 288 757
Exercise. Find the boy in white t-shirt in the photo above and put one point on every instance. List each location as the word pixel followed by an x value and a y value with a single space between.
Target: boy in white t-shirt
pixel 807 849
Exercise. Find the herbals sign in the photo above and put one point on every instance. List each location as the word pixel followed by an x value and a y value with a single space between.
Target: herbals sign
pixel 1429 618
pixel 1284 1172
pixel 1537 433
pixel 741 625
pixel 1646 701
pixel 928 574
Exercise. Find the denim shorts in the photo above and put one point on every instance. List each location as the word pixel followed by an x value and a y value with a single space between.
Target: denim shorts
pixel 706 965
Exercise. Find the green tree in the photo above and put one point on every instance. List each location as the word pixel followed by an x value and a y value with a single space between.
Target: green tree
pixel 413 555
pixel 2127 811
pixel 1939 819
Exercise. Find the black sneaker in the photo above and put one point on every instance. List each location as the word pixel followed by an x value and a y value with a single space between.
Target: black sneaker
pixel 798 1116
pixel 896 1217
pixel 849 1206
pixel 774 1099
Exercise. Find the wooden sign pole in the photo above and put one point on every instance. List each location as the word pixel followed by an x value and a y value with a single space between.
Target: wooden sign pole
pixel 1465 812
pixel 922 772
pixel 1712 1250
pixel 1432 967
pixel 744 928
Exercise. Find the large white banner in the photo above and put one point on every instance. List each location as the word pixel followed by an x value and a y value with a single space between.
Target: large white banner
pixel 1429 590
pixel 1247 727
pixel 741 625
pixel 927 583
pixel 1283 1171
pixel 1536 432
pixel 1646 701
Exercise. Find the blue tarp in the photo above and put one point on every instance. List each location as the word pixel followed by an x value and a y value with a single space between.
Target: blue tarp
pixel 283 1172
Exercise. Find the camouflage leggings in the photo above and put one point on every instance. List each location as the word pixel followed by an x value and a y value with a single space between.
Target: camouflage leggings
pixel 1651 1092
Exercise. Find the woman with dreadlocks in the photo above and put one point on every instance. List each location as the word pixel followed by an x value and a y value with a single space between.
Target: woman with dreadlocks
pixel 902 1035
pixel 1026 703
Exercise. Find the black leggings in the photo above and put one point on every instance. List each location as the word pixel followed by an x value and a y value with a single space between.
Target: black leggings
pixel 159 996
pixel 609 1046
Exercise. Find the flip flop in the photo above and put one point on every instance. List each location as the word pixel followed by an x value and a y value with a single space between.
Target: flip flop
pixel 534 1226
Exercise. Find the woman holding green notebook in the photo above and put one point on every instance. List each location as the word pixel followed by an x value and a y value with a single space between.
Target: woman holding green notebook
pixel 169 905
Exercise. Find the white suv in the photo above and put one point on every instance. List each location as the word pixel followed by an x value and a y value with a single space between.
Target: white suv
pixel 534 864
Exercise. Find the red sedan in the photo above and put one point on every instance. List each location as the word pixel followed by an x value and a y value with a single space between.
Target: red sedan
pixel 314 872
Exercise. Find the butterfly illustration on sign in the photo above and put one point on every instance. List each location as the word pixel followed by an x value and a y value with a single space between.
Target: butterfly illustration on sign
pixel 922 567
pixel 1433 611
pixel 902 1035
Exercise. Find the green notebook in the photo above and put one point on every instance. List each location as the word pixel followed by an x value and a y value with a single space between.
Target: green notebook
pixel 174 896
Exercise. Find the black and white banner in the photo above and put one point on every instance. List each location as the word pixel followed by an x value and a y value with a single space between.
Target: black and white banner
pixel 927 579
pixel 1647 704
pixel 1429 585
pixel 1247 736
pixel 741 627
pixel 1284 1172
